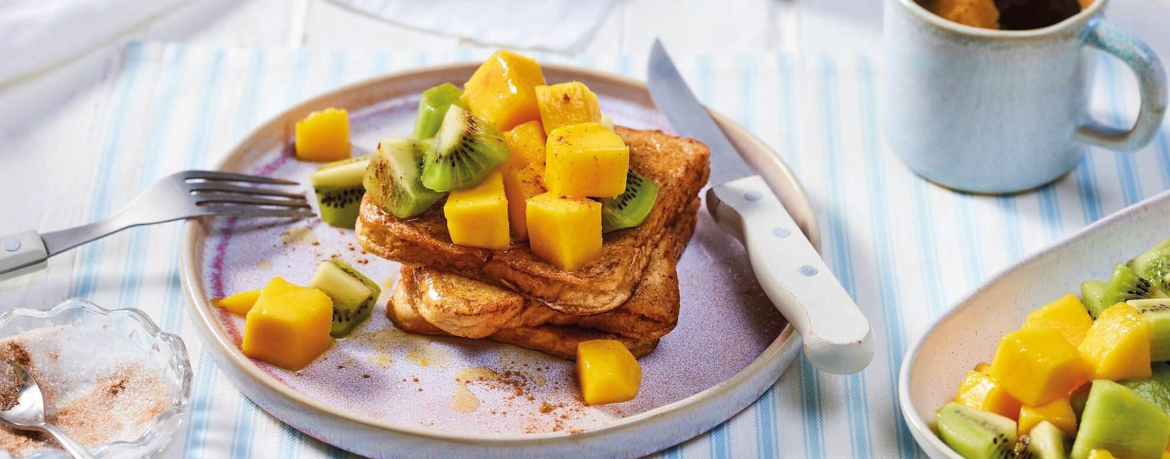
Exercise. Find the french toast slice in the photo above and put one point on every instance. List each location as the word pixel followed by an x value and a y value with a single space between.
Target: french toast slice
pixel 465 307
pixel 556 340
pixel 678 165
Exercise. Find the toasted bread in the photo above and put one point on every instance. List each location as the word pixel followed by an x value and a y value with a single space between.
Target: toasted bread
pixel 472 309
pixel 679 166
pixel 556 340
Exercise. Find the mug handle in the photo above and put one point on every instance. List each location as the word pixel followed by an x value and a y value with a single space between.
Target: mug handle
pixel 1152 85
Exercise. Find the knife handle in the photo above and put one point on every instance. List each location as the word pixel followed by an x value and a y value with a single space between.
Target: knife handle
pixel 837 337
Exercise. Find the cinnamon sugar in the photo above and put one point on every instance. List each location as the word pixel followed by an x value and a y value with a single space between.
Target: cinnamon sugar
pixel 96 399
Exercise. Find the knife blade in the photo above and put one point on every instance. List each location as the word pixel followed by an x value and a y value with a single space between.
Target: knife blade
pixel 837 337
pixel 688 116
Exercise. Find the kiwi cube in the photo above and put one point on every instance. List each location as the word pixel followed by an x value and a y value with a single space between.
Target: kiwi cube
pixel 433 106
pixel 630 208
pixel 1118 420
pixel 353 294
pixel 338 186
pixel 976 434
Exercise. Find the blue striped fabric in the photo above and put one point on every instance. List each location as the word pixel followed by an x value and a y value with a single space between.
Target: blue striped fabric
pixel 905 249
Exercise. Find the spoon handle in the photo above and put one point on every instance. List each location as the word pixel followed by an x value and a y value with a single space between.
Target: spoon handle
pixel 69 444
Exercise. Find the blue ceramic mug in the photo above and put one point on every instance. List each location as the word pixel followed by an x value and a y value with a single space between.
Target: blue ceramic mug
pixel 999 111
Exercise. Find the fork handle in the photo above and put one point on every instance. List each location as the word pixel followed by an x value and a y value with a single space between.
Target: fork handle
pixel 22 253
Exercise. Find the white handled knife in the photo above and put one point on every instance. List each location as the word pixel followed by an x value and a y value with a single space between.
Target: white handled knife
pixel 837 337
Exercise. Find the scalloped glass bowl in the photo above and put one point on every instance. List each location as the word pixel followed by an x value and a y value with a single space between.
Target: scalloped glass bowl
pixel 164 349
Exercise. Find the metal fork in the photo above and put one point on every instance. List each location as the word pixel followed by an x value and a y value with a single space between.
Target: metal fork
pixel 183 195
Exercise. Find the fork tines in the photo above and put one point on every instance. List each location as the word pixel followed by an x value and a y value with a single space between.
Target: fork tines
pixel 213 192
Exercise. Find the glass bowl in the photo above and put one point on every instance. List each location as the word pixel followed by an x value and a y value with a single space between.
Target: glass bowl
pixel 164 349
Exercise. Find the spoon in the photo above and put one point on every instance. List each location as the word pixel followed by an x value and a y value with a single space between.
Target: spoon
pixel 29 412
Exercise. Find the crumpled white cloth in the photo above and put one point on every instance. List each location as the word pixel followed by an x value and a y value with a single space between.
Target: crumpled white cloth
pixel 40 33
pixel 554 25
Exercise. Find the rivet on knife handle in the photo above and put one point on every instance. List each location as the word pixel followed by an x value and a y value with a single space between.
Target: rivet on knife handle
pixel 837 337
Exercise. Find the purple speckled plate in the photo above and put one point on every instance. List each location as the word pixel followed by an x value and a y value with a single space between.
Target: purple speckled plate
pixel 382 391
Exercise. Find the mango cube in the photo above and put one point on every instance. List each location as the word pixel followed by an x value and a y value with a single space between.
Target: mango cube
pixel 1117 347
pixel 565 232
pixel 1101 454
pixel 983 367
pixel 607 371
pixel 586 160
pixel 503 90
pixel 1037 366
pixel 323 136
pixel 478 217
pixel 1066 315
pixel 1059 412
pixel 238 304
pixel 289 327
pixel 979 391
pixel 565 104
pixel 523 172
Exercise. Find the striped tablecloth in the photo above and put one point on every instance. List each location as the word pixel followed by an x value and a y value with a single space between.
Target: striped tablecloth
pixel 905 249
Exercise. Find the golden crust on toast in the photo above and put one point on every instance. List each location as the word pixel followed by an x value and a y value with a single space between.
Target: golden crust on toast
pixel 559 341
pixel 678 165
pixel 472 309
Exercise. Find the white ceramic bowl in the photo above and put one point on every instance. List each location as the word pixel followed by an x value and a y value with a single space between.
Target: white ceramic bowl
pixel 970 331
pixel 164 349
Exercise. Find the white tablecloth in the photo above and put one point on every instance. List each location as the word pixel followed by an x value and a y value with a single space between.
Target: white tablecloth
pixel 905 249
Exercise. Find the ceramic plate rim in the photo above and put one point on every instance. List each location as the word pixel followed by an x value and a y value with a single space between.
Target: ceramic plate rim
pixel 199 306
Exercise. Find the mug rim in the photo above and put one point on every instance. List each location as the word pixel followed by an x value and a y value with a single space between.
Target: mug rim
pixel 1074 21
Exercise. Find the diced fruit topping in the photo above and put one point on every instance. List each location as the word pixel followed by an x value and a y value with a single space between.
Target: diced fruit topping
pixel 323 136
pixel 565 232
pixel 976 434
pixel 630 208
pixel 1093 296
pixel 1124 285
pixel 393 179
pixel 1117 347
pixel 464 152
pixel 979 391
pixel 1156 388
pixel 1157 314
pixel 433 106
pixel 338 186
pixel 523 172
pixel 237 304
pixel 606 121
pixel 586 160
pixel 1066 315
pixel 353 294
pixel 607 371
pixel 1059 412
pixel 1120 421
pixel 566 104
pixel 288 326
pixel 1038 366
pixel 1045 441
pixel 1100 454
pixel 503 90
pixel 478 217
pixel 1154 264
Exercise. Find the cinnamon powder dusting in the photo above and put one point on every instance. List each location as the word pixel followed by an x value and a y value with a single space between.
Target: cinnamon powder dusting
pixel 116 406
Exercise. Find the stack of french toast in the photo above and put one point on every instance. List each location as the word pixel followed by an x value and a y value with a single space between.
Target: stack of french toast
pixel 629 292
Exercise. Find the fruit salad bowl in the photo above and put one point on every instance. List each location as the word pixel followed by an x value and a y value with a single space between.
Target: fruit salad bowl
pixel 971 330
